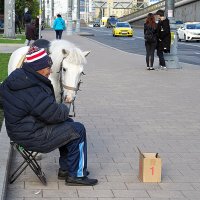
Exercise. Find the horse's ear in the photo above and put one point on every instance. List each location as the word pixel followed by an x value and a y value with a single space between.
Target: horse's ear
pixel 86 53
pixel 65 52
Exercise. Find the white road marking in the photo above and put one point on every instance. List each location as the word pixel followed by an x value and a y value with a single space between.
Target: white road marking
pixel 132 38
pixel 107 34
pixel 193 45
pixel 110 46
pixel 100 30
pixel 138 37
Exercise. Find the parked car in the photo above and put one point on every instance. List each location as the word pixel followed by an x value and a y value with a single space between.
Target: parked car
pixel 179 24
pixel 111 22
pixel 96 23
pixel 189 31
pixel 122 29
pixel 1 24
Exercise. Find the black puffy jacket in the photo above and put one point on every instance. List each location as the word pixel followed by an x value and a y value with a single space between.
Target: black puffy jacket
pixel 32 116
pixel 164 36
pixel 152 30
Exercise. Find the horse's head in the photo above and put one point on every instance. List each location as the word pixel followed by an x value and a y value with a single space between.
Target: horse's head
pixel 68 63
pixel 71 71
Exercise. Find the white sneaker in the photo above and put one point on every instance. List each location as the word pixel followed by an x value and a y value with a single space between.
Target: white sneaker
pixel 165 68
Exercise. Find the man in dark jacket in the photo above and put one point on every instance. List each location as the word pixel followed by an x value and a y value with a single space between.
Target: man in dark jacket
pixel 17 24
pixel 35 121
pixel 164 37
pixel 27 19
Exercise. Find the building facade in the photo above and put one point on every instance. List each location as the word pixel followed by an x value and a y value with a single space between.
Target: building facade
pixel 118 8
pixel 91 9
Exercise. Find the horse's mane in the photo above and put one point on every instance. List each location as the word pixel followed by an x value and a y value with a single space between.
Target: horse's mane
pixel 73 54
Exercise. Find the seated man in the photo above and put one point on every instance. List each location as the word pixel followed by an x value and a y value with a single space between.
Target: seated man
pixel 35 121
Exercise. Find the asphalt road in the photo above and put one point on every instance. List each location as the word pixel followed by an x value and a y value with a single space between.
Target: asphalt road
pixel 188 52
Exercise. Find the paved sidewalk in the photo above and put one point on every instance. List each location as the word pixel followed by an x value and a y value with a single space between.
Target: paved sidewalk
pixel 124 106
pixel 9 48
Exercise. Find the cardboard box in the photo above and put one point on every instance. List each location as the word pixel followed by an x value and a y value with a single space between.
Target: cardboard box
pixel 150 166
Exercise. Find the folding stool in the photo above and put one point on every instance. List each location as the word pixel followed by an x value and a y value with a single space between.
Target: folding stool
pixel 29 160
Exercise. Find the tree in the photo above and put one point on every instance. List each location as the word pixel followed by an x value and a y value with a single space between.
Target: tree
pixel 1 6
pixel 12 7
pixel 9 19
pixel 32 5
pixel 20 5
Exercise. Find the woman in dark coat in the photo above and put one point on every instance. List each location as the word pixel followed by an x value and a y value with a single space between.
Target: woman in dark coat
pixel 150 36
pixel 31 32
pixel 164 37
pixel 35 121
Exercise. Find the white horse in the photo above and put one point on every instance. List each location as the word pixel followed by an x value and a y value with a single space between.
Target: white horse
pixel 67 68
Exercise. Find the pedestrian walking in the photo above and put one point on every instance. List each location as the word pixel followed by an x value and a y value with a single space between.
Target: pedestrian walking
pixel 164 37
pixel 31 33
pixel 27 19
pixel 37 27
pixel 17 24
pixel 38 123
pixel 150 36
pixel 59 26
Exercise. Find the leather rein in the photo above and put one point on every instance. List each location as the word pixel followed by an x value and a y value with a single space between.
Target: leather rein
pixel 62 86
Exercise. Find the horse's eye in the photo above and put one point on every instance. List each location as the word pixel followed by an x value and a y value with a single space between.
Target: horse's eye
pixel 64 69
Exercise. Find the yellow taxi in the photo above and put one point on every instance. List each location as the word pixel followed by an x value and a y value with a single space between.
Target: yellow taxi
pixel 122 29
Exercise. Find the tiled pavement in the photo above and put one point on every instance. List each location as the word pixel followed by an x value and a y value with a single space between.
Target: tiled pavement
pixel 124 106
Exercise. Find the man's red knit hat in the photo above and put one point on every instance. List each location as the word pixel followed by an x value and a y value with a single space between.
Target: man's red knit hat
pixel 37 59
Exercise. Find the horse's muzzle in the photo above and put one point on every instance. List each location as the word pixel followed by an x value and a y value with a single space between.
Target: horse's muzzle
pixel 68 99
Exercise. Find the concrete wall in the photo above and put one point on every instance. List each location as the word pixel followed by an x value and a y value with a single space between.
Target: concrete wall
pixel 189 12
pixel 185 13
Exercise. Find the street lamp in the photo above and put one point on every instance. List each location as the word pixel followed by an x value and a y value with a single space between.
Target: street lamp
pixel 69 18
pixel 40 17
pixel 78 17
pixel 172 58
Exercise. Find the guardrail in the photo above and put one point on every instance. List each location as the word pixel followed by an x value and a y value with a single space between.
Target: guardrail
pixel 142 13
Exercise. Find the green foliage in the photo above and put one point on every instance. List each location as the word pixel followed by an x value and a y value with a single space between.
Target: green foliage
pixel 1 6
pixel 20 5
pixel 32 5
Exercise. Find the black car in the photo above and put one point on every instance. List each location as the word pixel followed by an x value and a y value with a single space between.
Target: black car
pixel 96 23
pixel 111 22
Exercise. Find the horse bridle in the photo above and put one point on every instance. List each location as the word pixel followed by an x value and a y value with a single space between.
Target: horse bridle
pixel 62 86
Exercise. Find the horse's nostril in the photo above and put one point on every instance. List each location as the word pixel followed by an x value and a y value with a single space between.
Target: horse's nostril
pixel 68 99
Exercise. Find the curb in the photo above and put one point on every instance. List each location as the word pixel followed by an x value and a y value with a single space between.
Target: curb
pixel 9 48
pixel 5 158
pixel 85 34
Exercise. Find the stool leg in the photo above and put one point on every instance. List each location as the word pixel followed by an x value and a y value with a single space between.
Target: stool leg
pixel 35 166
pixel 19 169
pixel 17 172
pixel 29 160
